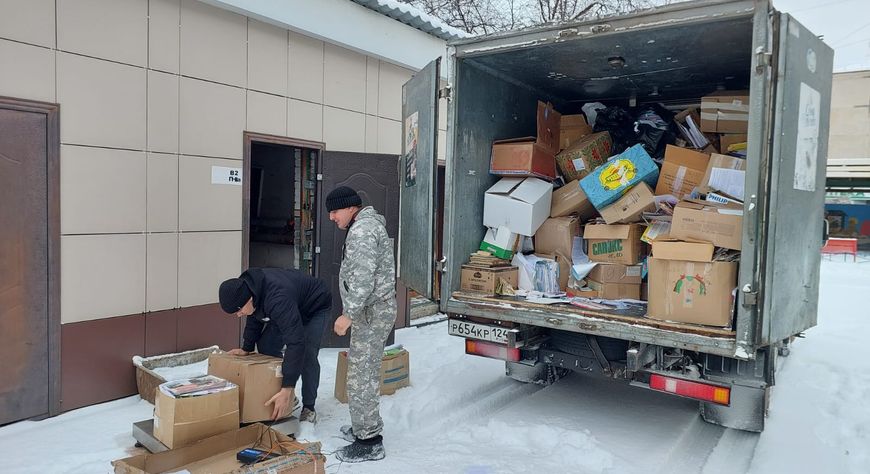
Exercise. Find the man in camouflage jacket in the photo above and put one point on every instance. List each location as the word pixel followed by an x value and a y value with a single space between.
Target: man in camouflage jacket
pixel 367 282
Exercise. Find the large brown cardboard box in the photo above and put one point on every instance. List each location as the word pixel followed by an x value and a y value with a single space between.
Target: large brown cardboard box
pixel 258 377
pixel 722 225
pixel 570 199
pixel 485 280
pixel 631 206
pixel 571 129
pixel 614 243
pixel 616 273
pixel 584 155
pixel 556 235
pixel 673 249
pixel 691 292
pixel 395 374
pixel 530 156
pixel 725 112
pixel 615 291
pixel 681 172
pixel 181 421
pixel 217 455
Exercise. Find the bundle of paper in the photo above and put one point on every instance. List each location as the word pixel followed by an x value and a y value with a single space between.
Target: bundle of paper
pixel 486 259
pixel 195 386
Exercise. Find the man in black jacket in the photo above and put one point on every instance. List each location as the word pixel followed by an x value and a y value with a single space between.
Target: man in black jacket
pixel 286 309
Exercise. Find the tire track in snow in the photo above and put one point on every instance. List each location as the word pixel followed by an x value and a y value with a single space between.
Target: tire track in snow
pixel 690 452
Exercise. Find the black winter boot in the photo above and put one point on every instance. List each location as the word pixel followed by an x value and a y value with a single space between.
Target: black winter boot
pixel 362 450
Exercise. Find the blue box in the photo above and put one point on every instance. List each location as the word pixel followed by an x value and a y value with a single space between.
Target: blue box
pixel 616 176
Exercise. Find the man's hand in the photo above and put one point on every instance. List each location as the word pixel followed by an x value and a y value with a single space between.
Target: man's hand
pixel 238 352
pixel 282 401
pixel 342 324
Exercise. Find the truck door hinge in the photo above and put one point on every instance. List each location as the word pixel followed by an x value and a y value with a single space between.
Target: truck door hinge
pixel 763 59
pixel 317 249
pixel 441 265
pixel 445 92
pixel 319 177
pixel 750 296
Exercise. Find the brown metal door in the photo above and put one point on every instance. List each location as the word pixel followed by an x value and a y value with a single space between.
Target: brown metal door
pixel 25 325
pixel 376 178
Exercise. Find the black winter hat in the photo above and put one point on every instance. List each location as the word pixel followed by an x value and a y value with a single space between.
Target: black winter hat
pixel 233 294
pixel 342 197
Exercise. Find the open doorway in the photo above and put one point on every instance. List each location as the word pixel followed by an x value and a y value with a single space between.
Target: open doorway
pixel 280 203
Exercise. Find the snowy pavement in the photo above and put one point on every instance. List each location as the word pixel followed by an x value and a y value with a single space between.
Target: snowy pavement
pixel 462 415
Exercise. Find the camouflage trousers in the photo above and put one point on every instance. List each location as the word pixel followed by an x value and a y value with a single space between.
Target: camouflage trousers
pixel 368 334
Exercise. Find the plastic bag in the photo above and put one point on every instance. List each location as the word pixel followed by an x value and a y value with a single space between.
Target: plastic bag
pixel 620 124
pixel 654 129
pixel 591 110
pixel 546 276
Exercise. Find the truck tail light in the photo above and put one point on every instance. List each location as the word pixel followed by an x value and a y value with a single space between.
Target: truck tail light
pixel 686 388
pixel 491 350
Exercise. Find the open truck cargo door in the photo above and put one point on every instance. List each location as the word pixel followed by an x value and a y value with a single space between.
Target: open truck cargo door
pixel 417 180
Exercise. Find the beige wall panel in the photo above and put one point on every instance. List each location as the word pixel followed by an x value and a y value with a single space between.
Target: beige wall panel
pixel 344 79
pixel 213 43
pixel 442 114
pixel 101 190
pixel 268 56
pixel 203 206
pixel 27 71
pixel 205 259
pixel 441 150
pixel 304 120
pixel 267 114
pixel 212 119
pixel 371 134
pixel 108 29
pixel 162 112
pixel 372 74
pixel 34 24
pixel 161 275
pixel 102 103
pixel 306 68
pixel 162 193
pixel 163 34
pixel 389 136
pixel 101 276
pixel 390 84
pixel 344 130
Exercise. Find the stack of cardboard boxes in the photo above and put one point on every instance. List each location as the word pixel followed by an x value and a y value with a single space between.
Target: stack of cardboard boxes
pixel 668 233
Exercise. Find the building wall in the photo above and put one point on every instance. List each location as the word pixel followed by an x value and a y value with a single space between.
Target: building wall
pixel 152 94
pixel 850 116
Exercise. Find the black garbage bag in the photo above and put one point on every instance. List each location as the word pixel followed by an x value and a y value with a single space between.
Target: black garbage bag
pixel 654 128
pixel 620 124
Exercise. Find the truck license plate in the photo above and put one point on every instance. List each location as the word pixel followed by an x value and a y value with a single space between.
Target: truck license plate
pixel 483 332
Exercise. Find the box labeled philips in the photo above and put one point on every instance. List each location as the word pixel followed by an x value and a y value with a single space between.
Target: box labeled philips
pixel 631 206
pixel 611 180
pixel 584 155
pixel 614 243
pixel 258 377
pixel 519 204
pixel 395 374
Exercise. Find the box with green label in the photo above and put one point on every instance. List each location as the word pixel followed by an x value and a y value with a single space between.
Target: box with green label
pixel 607 183
pixel 614 243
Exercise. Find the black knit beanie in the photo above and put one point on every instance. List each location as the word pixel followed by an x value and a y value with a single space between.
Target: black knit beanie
pixel 233 294
pixel 342 197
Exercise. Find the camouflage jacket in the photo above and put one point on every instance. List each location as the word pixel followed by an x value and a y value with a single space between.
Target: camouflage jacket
pixel 368 264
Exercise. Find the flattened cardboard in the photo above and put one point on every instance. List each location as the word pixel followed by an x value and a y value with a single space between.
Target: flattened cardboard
pixel 182 421
pixel 615 291
pixel 671 249
pixel 631 206
pixel 518 204
pixel 614 243
pixel 611 180
pixel 691 292
pixel 681 172
pixel 395 374
pixel 584 155
pixel 725 112
pixel 485 280
pixel 571 129
pixel 708 222
pixel 616 273
pixel 570 199
pixel 258 377
pixel 556 235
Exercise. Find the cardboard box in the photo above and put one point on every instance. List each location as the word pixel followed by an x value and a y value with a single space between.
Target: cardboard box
pixel 484 280
pixel 584 155
pixel 181 421
pixel 615 291
pixel 530 156
pixel 728 139
pixel 217 455
pixel 708 222
pixel 258 377
pixel 500 242
pixel 672 249
pixel 570 199
pixel 614 243
pixel 725 173
pixel 519 204
pixel 556 235
pixel 611 180
pixel 631 206
pixel 571 129
pixel 395 374
pixel 682 171
pixel 725 112
pixel 691 292
pixel 616 273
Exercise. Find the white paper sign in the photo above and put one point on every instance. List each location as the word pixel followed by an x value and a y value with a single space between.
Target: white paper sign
pixel 225 175
pixel 730 182
pixel 807 149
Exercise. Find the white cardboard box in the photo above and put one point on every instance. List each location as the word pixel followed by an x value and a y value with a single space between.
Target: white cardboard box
pixel 521 205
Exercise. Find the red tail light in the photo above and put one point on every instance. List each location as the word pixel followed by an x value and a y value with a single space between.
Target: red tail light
pixel 686 388
pixel 491 350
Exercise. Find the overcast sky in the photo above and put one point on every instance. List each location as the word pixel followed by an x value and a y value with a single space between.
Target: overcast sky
pixel 844 24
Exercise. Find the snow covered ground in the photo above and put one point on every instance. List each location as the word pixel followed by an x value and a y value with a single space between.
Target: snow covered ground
pixel 462 415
